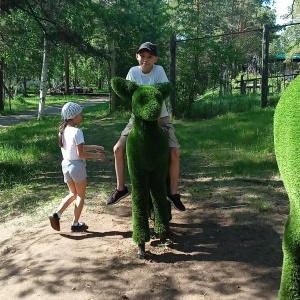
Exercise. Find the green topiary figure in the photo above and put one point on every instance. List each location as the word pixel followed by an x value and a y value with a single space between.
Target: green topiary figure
pixel 147 152
pixel 287 149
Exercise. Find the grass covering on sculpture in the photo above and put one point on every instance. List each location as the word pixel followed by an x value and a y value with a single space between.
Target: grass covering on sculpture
pixel 147 152
pixel 287 150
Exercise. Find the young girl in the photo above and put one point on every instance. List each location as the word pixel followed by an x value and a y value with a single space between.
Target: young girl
pixel 74 152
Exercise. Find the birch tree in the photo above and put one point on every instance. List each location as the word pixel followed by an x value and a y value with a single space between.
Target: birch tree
pixel 43 84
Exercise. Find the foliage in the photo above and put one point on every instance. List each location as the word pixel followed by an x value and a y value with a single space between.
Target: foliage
pixel 207 107
pixel 219 47
pixel 287 38
pixel 97 35
pixel 211 104
pixel 23 44
pixel 20 98
pixel 286 137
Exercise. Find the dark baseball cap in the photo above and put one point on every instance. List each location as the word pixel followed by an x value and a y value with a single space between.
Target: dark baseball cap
pixel 148 46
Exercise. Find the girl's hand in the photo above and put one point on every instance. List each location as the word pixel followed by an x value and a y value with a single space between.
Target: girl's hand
pixel 99 148
pixel 102 157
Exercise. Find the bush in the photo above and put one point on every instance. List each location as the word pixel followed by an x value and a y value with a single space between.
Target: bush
pixel 210 105
pixel 19 98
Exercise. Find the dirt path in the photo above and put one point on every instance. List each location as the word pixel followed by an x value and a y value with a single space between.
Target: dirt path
pixel 209 258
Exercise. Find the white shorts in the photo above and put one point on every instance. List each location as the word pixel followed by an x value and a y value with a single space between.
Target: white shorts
pixel 165 124
pixel 74 170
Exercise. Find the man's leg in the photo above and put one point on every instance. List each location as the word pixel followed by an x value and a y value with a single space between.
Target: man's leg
pixel 119 153
pixel 121 190
pixel 174 169
pixel 173 196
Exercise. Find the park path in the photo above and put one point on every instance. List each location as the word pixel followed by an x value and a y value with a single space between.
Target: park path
pixel 8 120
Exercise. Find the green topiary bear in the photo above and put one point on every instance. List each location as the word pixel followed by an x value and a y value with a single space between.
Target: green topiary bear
pixel 147 152
pixel 287 149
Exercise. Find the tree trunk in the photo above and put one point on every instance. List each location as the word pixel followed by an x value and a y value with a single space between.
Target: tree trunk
pixel 1 84
pixel 24 87
pixel 173 74
pixel 43 86
pixel 265 58
pixel 113 96
pixel 75 81
pixel 67 72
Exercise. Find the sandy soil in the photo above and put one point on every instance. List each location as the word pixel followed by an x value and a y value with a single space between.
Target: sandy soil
pixel 210 258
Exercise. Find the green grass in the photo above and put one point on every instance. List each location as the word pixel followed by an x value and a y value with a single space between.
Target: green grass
pixel 21 103
pixel 211 105
pixel 234 145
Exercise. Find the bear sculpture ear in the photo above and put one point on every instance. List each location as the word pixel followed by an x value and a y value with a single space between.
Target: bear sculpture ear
pixel 165 88
pixel 123 88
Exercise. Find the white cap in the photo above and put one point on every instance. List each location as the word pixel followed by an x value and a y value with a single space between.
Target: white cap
pixel 70 110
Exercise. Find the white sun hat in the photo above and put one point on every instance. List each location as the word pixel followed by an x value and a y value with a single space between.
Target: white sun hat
pixel 70 110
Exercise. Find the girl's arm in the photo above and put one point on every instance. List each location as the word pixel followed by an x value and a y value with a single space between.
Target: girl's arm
pixel 93 148
pixel 82 153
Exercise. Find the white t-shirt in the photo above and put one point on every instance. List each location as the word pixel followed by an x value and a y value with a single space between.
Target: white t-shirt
pixel 156 75
pixel 72 137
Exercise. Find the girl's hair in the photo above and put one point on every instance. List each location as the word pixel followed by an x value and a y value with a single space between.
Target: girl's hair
pixel 62 127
